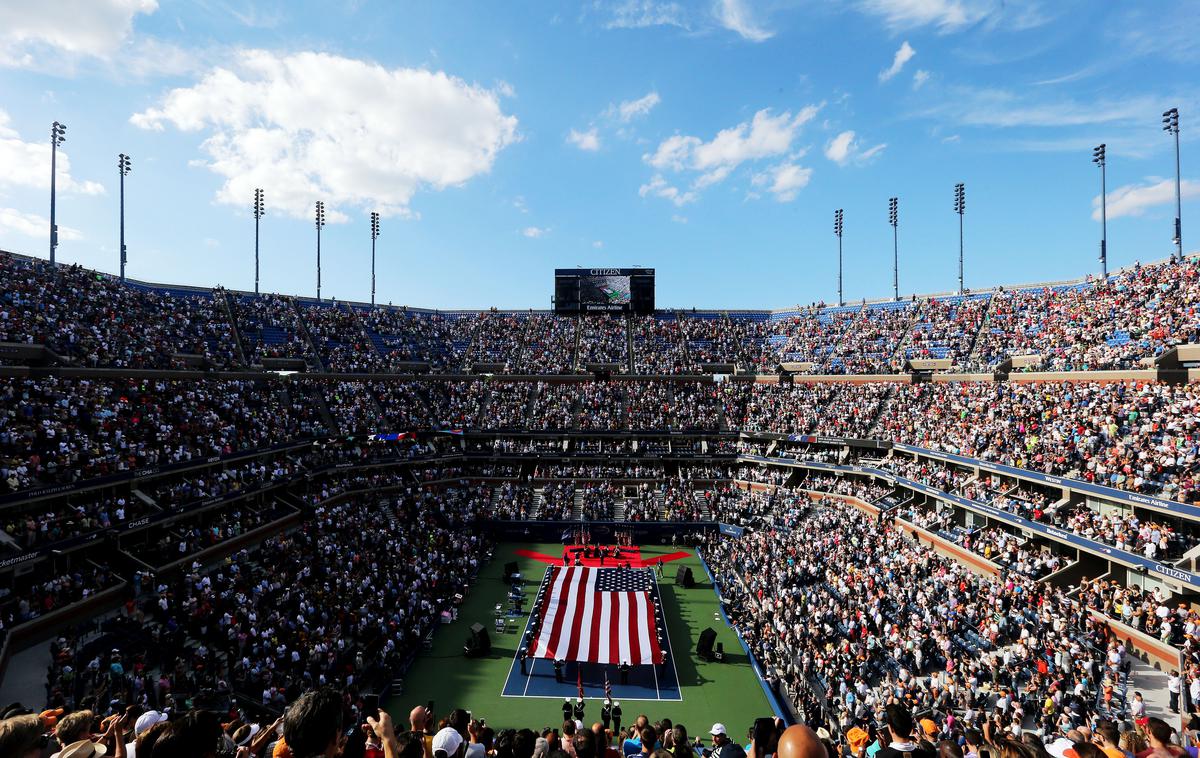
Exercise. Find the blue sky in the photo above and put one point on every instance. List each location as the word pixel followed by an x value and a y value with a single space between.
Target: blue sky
pixel 711 140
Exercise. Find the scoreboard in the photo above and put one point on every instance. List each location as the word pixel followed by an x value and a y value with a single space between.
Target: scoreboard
pixel 621 290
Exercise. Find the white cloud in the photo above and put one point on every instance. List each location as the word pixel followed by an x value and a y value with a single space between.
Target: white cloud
pixel 733 15
pixel 628 110
pixel 638 14
pixel 679 219
pixel 784 180
pixel 838 149
pixel 598 244
pixel 31 34
pixel 309 126
pixel 845 148
pixel 1134 199
pixel 673 152
pixel 947 15
pixel 1123 118
pixel 589 140
pixel 534 232
pixel 256 18
pixel 660 187
pixel 871 152
pixel 736 17
pixel 765 135
pixel 902 56
pixel 27 164
pixel 33 225
pixel 614 115
pixel 920 76
pixel 952 15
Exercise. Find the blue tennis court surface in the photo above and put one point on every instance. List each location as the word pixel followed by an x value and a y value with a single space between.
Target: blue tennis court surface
pixel 643 683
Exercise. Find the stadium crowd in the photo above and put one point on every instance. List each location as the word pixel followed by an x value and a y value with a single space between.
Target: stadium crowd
pixel 862 616
pixel 94 320
pixel 855 620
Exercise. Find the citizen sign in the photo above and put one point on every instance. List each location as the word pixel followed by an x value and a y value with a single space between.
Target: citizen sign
pixel 605 272
pixel 1174 573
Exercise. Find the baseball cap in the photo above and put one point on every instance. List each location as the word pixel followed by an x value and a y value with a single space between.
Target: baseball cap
pixel 718 729
pixel 147 720
pixel 448 740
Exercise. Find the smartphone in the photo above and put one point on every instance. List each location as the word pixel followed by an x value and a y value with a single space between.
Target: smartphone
pixel 371 705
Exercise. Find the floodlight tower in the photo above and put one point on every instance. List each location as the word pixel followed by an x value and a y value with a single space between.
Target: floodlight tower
pixel 1098 159
pixel 374 236
pixel 837 229
pixel 124 166
pixel 58 135
pixel 259 209
pixel 320 224
pixel 894 220
pixel 960 205
pixel 1171 126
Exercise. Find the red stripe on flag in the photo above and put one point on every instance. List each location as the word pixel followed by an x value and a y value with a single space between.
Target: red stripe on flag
pixel 580 624
pixel 552 627
pixel 581 591
pixel 596 650
pixel 630 628
pixel 611 650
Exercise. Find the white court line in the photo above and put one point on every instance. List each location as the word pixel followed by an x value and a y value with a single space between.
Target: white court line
pixel 513 663
pixel 660 698
pixel 667 631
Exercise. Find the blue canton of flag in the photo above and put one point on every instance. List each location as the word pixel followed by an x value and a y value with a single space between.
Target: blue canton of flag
pixel 623 580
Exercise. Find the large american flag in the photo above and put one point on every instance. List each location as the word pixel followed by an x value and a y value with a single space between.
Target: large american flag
pixel 598 615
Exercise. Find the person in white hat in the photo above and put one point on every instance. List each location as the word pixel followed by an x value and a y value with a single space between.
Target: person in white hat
pixel 83 749
pixel 723 747
pixel 447 743
pixel 140 727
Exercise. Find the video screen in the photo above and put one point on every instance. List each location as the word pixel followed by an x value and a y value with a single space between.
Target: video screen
pixel 605 291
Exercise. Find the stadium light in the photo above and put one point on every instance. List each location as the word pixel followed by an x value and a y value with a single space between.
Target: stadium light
pixel 960 205
pixel 1098 159
pixel 58 135
pixel 259 210
pixel 1171 126
pixel 894 220
pixel 837 229
pixel 124 166
pixel 320 223
pixel 374 236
